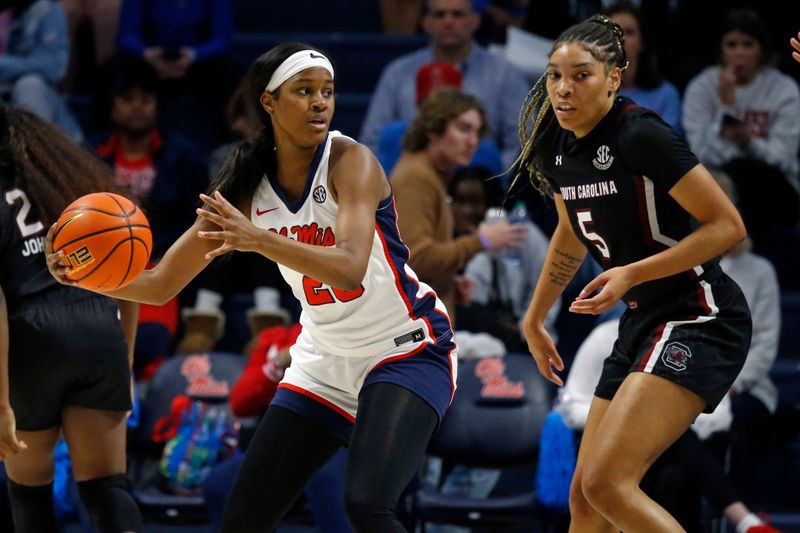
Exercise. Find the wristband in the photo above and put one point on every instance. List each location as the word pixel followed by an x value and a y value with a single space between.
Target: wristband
pixel 484 240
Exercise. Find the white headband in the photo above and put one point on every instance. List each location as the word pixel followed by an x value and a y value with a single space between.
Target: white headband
pixel 295 63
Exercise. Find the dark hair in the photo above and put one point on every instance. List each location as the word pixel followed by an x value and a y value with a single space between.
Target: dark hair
pixel 601 37
pixel 49 167
pixel 436 112
pixel 647 74
pixel 243 169
pixel 492 190
pixel 750 23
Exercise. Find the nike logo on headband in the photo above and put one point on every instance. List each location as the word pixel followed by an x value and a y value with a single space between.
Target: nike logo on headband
pixel 315 56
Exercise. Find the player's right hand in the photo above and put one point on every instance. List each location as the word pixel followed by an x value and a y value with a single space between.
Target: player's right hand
pixel 55 260
pixel 544 352
pixel 9 445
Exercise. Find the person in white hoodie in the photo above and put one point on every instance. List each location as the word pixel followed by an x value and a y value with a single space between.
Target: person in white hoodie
pixel 743 116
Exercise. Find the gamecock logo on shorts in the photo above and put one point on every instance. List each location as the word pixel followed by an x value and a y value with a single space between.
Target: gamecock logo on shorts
pixel 676 356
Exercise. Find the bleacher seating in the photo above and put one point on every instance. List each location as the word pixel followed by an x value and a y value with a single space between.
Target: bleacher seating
pixel 320 16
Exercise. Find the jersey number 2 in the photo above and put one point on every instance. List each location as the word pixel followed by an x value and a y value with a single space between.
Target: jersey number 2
pixel 584 220
pixel 12 197
pixel 317 294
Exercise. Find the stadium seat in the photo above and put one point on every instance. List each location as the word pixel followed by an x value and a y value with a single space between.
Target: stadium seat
pixel 494 422
pixel 207 377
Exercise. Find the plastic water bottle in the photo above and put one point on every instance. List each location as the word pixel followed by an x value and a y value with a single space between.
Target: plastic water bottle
pixel 512 256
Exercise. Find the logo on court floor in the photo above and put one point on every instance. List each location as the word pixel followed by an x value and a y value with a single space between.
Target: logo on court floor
pixel 604 158
pixel 676 356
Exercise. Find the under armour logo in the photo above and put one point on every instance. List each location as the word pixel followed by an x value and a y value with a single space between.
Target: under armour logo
pixel 558 160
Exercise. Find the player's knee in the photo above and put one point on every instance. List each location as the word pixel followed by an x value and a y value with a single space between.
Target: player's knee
pixel 108 501
pixel 32 507
pixel 601 486
pixel 579 506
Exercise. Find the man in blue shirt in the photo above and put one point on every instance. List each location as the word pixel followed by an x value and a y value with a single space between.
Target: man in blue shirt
pixel 497 84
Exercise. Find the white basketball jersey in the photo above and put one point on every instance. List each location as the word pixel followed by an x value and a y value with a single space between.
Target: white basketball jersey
pixel 391 313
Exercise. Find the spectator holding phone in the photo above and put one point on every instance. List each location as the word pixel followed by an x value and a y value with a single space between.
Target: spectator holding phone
pixel 743 116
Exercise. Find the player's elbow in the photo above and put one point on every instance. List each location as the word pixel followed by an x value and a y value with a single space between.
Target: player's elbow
pixel 737 229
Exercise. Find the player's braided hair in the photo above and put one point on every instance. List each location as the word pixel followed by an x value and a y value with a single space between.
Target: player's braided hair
pixel 49 167
pixel 601 37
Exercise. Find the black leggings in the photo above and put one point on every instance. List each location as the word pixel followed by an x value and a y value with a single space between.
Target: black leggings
pixel 391 433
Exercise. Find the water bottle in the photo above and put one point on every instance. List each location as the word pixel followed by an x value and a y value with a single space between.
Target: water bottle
pixel 512 256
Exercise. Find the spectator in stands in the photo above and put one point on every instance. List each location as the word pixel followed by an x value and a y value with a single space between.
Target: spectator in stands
pixel 400 16
pixel 641 81
pixel 497 84
pixel 442 137
pixel 103 17
pixel 242 123
pixel 502 287
pixel 429 78
pixel 754 396
pixel 164 173
pixel 497 16
pixel 744 116
pixel 250 396
pixel 35 60
pixel 187 42
pixel 687 465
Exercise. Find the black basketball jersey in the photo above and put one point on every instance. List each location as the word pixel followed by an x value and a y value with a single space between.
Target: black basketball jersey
pixel 23 270
pixel 615 182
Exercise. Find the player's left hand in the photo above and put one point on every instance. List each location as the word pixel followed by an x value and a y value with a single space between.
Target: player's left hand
pixel 9 445
pixel 613 283
pixel 237 232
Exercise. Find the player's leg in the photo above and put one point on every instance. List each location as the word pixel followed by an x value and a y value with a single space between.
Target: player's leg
pixel 284 453
pixel 584 517
pixel 96 441
pixel 392 431
pixel 648 413
pixel 30 482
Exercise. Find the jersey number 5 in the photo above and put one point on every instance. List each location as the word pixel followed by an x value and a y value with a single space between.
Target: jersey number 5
pixel 584 220
pixel 16 195
pixel 317 294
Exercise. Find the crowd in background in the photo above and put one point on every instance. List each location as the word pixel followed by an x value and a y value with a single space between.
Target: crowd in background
pixel 154 90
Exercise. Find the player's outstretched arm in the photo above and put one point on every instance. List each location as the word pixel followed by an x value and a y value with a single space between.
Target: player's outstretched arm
pixel 182 262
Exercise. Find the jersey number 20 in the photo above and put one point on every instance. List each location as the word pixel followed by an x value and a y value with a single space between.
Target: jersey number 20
pixel 317 294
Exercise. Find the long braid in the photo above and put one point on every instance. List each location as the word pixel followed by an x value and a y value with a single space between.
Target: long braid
pixel 605 40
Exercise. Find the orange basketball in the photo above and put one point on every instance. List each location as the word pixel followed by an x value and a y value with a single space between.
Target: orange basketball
pixel 105 238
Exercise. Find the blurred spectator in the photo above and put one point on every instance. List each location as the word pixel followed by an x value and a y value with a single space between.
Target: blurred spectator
pixel 102 17
pixel 497 16
pixel 496 83
pixel 502 288
pixel 443 137
pixel 744 116
pixel 35 60
pixel 250 396
pixel 165 174
pixel 186 41
pixel 689 465
pixel 400 16
pixel 242 123
pixel 429 78
pixel 754 396
pixel 641 81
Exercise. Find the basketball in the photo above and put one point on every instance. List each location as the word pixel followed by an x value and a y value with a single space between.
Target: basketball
pixel 106 240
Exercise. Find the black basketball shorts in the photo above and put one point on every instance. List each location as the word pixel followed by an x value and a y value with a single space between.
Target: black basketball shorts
pixel 698 339
pixel 66 348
